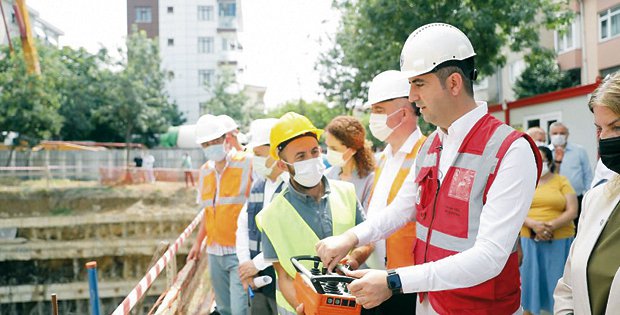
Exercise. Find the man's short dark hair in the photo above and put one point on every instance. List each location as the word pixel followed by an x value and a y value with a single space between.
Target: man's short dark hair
pixel 444 72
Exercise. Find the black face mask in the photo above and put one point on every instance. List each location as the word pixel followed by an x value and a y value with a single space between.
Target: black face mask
pixel 609 149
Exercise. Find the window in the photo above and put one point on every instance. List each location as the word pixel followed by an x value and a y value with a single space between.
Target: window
pixel 515 70
pixel 228 9
pixel 170 41
pixel 143 15
pixel 205 13
pixel 568 40
pixel 170 9
pixel 205 77
pixel 228 44
pixel 609 23
pixel 205 45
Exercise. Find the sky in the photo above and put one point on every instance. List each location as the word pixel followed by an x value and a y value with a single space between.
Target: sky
pixel 282 39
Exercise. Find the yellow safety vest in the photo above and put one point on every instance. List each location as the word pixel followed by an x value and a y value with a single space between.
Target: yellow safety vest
pixel 291 236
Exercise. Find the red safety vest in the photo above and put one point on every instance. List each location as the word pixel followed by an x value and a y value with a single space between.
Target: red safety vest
pixel 448 215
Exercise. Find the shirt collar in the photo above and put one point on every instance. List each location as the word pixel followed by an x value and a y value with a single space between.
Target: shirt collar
pixel 407 145
pixel 461 127
pixel 297 194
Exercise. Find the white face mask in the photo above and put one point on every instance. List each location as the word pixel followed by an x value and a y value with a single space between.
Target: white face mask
pixel 259 165
pixel 545 169
pixel 336 158
pixel 215 152
pixel 558 140
pixel 378 125
pixel 308 173
pixel 540 144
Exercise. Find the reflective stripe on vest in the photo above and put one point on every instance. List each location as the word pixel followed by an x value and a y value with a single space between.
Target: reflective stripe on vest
pixel 291 236
pixel 232 190
pixel 448 215
pixel 467 183
pixel 399 245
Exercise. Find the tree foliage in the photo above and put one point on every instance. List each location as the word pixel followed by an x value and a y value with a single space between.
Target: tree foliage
pixel 29 103
pixel 372 33
pixel 227 99
pixel 542 75
pixel 318 112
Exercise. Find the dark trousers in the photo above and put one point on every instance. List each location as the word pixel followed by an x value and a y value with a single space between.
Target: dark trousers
pixel 263 304
pixel 396 305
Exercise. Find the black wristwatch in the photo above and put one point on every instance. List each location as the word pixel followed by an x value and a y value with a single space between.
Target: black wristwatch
pixel 393 282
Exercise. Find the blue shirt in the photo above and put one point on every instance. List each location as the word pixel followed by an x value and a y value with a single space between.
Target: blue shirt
pixel 576 167
pixel 317 215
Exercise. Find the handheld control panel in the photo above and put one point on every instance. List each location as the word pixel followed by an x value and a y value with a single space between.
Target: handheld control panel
pixel 320 292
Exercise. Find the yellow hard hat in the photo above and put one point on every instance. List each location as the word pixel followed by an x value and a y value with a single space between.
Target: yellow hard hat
pixel 289 126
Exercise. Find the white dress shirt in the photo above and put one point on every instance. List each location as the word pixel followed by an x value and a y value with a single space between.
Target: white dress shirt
pixel 378 201
pixel 508 202
pixel 242 236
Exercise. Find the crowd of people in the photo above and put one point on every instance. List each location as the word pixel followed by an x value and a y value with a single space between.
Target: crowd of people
pixel 475 218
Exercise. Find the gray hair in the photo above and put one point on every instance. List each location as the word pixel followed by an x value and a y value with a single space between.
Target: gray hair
pixel 558 124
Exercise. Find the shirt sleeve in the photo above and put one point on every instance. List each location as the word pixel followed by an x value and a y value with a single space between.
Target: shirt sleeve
pixel 259 262
pixel 508 202
pixel 587 171
pixel 394 216
pixel 565 186
pixel 242 241
pixel 359 213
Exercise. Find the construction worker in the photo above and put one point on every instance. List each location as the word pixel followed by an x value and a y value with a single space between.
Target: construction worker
pixel 393 119
pixel 312 207
pixel 469 192
pixel 223 189
pixel 232 131
pixel 268 182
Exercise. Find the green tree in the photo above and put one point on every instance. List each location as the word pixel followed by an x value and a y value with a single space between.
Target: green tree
pixel 29 103
pixel 137 98
pixel 318 112
pixel 226 99
pixel 542 75
pixel 372 33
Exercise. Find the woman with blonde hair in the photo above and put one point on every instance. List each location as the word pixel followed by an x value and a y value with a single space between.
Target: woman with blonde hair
pixel 350 155
pixel 591 280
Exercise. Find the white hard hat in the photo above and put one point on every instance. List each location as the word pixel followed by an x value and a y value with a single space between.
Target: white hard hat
pixel 228 123
pixel 208 127
pixel 385 86
pixel 431 45
pixel 260 130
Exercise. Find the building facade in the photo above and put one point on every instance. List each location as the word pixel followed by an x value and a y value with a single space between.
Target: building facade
pixel 41 29
pixel 198 39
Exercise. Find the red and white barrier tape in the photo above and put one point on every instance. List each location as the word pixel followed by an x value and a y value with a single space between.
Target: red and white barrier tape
pixel 136 294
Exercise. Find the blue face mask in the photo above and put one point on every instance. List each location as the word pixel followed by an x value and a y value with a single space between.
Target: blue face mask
pixel 215 152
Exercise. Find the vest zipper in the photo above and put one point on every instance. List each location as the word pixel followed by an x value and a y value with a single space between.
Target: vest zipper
pixel 428 233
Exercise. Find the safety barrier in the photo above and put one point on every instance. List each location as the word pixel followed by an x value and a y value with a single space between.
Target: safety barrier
pixel 138 291
pixel 136 175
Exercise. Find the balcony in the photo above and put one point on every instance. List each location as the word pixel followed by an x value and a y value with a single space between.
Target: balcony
pixel 227 23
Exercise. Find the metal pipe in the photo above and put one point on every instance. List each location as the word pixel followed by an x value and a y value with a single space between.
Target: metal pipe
pixel 95 308
pixel 54 304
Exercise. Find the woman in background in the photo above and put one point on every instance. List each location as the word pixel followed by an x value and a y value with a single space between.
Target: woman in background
pixel 546 237
pixel 350 155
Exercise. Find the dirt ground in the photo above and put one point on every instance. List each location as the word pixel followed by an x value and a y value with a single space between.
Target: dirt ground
pixel 65 197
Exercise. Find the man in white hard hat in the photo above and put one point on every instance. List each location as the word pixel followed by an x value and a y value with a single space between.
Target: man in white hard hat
pixel 232 131
pixel 469 193
pixel 268 182
pixel 393 119
pixel 223 189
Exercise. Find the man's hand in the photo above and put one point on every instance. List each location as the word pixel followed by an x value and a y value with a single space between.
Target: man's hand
pixel 300 309
pixel 194 253
pixel 370 289
pixel 247 270
pixel 248 282
pixel 332 249
pixel 559 154
pixel 351 262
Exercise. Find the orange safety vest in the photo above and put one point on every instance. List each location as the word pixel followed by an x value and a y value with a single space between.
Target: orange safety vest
pixel 233 189
pixel 399 246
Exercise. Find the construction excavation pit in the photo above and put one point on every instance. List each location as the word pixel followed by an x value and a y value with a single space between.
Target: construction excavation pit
pixel 47 235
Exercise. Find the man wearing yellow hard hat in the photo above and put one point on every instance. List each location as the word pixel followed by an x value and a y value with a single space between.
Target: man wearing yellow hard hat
pixel 311 208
